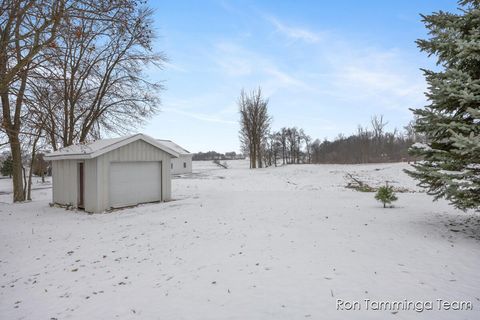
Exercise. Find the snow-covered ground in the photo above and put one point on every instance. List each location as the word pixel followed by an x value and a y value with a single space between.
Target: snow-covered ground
pixel 6 186
pixel 274 243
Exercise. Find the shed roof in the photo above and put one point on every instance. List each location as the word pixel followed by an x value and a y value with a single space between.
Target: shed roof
pixel 97 148
pixel 175 147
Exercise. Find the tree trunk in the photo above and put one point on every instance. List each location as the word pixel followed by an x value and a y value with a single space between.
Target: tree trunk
pixel 259 157
pixel 32 163
pixel 253 156
pixel 24 182
pixel 12 128
pixel 18 194
pixel 29 182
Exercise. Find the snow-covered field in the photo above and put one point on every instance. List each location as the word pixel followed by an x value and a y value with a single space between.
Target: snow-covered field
pixel 275 243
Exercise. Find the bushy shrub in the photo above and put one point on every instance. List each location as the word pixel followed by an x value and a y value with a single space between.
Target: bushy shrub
pixel 386 195
pixel 6 169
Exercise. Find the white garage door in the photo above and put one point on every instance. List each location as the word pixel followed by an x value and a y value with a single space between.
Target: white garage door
pixel 135 182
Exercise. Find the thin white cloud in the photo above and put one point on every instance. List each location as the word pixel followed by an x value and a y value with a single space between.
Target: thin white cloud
pixel 237 61
pixel 284 79
pixel 296 33
pixel 338 67
pixel 341 73
pixel 353 71
pixel 200 116
pixel 381 77
pixel 227 6
pixel 173 66
pixel 236 66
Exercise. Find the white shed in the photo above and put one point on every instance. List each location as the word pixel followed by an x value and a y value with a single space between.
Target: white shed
pixel 182 164
pixel 112 173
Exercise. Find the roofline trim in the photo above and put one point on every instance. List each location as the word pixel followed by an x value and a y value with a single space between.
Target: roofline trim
pixel 113 146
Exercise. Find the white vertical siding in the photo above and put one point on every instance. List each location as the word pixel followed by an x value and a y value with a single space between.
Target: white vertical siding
pixel 177 164
pixel 136 151
pixel 65 180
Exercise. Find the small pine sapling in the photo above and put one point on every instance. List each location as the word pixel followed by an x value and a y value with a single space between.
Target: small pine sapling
pixel 386 195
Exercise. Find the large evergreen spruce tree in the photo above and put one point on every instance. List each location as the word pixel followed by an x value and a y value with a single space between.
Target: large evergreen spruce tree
pixel 451 121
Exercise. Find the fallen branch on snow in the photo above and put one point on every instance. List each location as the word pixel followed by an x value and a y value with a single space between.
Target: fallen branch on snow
pixel 357 184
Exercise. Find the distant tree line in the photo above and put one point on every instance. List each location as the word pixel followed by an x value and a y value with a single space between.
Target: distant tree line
pixel 213 155
pixel 291 145
pixel 287 146
pixel 367 145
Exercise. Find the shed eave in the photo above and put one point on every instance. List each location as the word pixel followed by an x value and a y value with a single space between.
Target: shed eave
pixel 68 157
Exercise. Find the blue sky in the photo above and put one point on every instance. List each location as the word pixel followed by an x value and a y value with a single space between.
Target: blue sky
pixel 326 66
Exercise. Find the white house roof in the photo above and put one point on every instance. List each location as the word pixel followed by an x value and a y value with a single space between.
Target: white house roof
pixel 97 148
pixel 172 145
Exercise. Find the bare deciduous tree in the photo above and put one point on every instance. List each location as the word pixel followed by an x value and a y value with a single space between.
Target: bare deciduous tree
pixel 308 148
pixel 26 28
pixel 81 63
pixel 254 124
pixel 96 74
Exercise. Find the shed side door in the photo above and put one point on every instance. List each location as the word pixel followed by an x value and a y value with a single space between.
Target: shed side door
pixel 81 185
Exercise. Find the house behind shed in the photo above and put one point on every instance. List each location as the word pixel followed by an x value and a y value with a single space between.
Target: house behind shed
pixel 112 173
pixel 181 164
